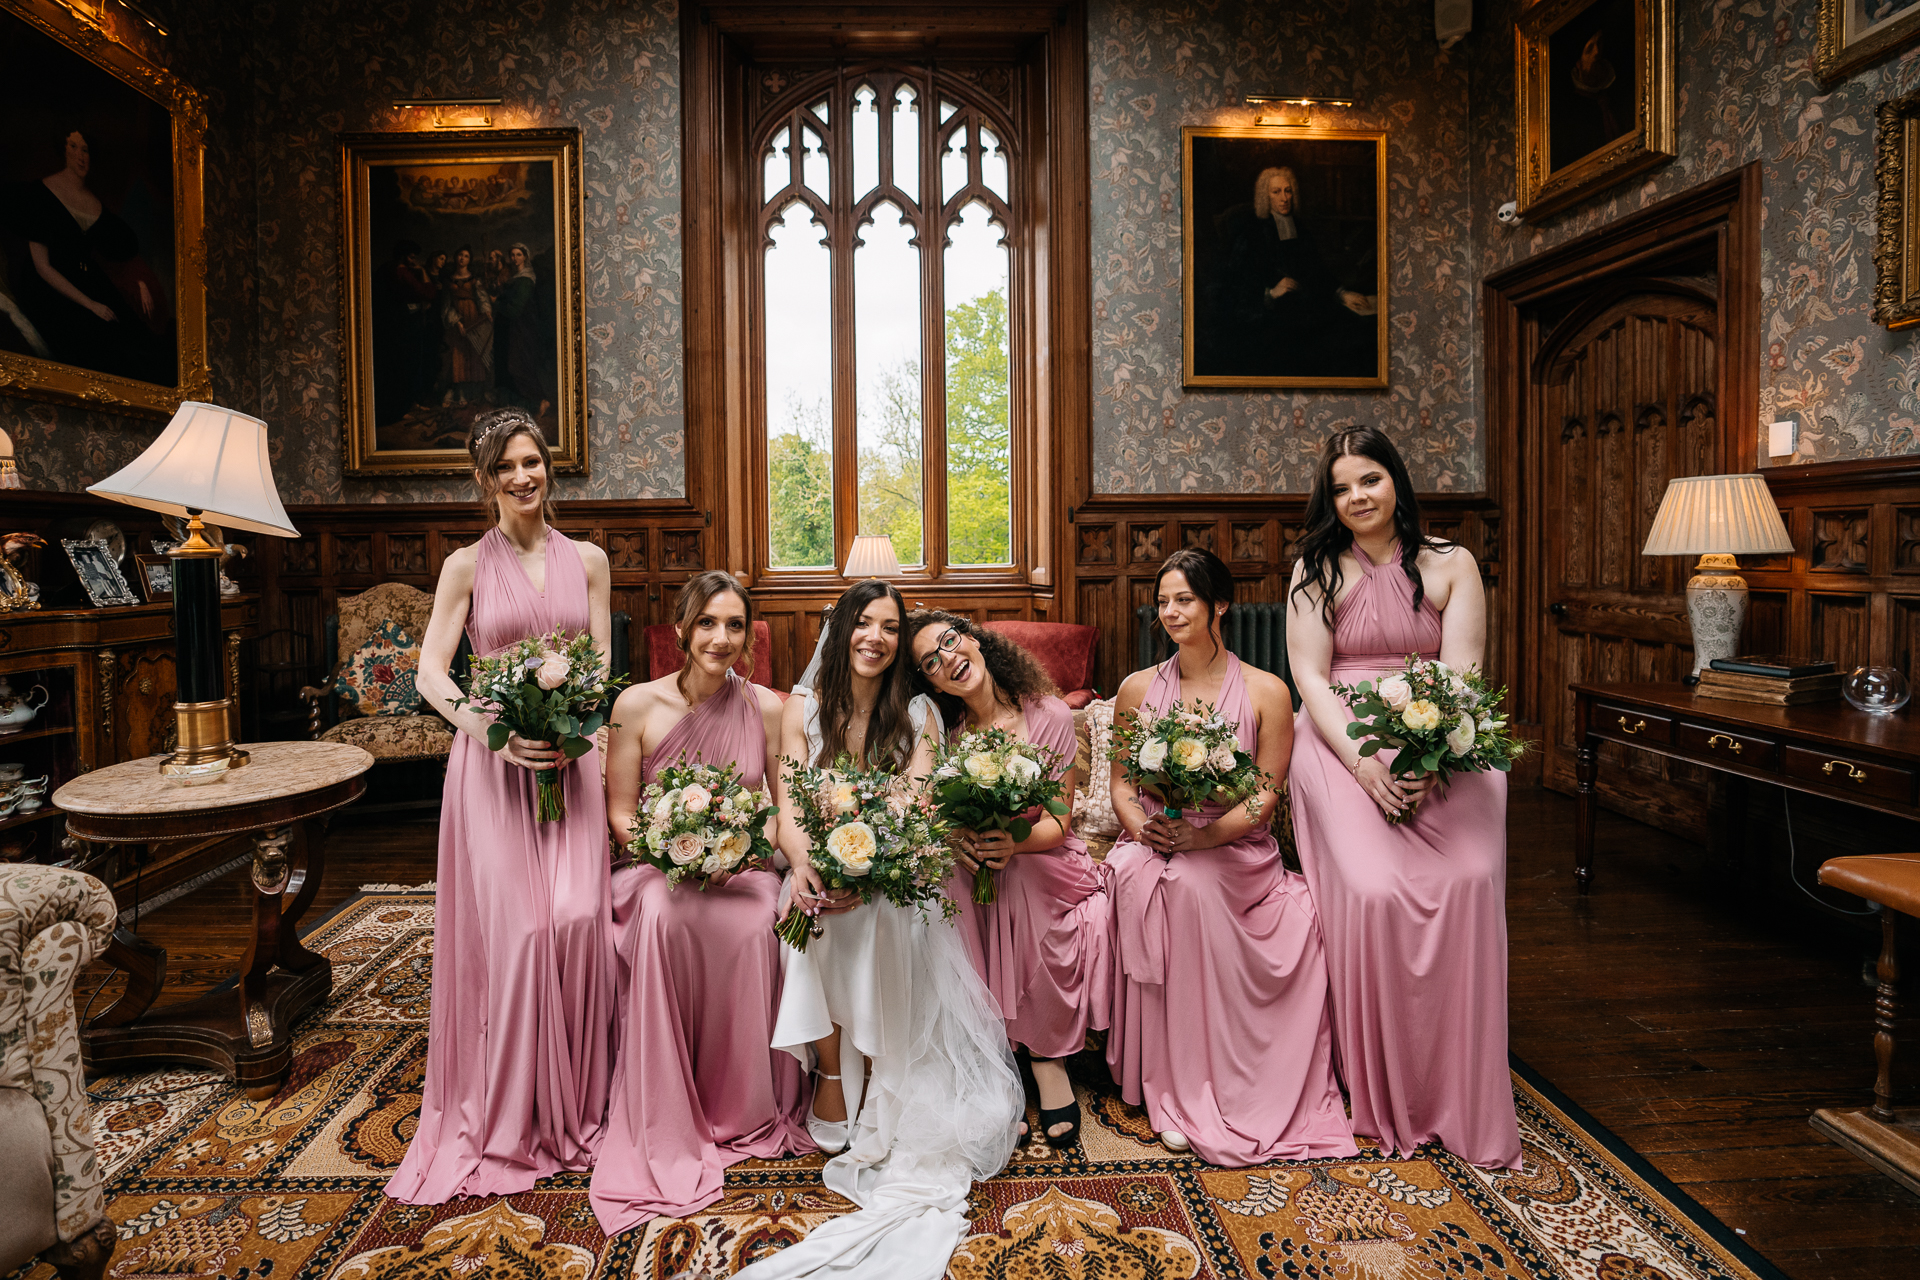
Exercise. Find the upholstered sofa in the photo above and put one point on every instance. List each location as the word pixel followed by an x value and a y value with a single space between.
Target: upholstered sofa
pixel 1065 650
pixel 52 923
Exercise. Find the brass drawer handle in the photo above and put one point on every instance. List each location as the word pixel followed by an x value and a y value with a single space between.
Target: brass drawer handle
pixel 1718 738
pixel 1858 775
pixel 1635 729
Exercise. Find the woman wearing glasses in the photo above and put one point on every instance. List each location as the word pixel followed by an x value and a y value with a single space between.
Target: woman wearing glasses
pixel 1047 938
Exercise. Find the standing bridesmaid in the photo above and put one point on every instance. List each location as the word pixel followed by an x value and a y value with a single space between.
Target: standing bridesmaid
pixel 517 1044
pixel 1220 1020
pixel 696 1084
pixel 1047 938
pixel 1415 914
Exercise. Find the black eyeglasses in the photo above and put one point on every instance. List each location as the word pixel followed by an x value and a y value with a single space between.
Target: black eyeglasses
pixel 949 641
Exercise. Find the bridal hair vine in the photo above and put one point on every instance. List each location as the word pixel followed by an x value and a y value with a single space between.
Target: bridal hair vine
pixel 510 420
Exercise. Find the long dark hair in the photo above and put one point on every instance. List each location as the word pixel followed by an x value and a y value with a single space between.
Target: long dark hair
pixel 1325 537
pixel 692 601
pixel 889 742
pixel 1016 674
pixel 1207 577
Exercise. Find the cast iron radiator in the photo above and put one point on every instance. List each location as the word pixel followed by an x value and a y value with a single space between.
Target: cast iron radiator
pixel 1254 631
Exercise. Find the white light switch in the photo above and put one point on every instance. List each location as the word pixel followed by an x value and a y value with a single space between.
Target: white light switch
pixel 1780 439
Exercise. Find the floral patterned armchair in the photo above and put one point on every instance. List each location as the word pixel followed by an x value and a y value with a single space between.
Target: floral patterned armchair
pixel 338 703
pixel 52 923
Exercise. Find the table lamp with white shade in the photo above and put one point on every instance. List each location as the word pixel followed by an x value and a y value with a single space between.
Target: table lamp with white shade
pixel 1717 518
pixel 209 461
pixel 871 556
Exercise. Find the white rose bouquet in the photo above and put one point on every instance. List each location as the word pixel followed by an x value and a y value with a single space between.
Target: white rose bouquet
pixel 698 820
pixel 871 832
pixel 1439 722
pixel 990 781
pixel 553 688
pixel 1186 757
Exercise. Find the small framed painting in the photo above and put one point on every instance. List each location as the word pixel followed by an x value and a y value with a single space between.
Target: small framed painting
pixel 1855 34
pixel 1284 239
pixel 463 292
pixel 99 572
pixel 156 578
pixel 1593 97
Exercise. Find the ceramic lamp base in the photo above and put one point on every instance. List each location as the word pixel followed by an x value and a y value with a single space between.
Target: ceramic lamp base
pixel 1717 606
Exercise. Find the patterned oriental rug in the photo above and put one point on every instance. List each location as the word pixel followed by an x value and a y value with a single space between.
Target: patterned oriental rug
pixel 206 1183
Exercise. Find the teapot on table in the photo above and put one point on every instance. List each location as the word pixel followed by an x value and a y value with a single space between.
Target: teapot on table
pixel 18 711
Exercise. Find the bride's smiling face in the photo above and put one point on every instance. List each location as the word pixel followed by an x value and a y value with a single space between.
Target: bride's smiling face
pixel 718 634
pixel 876 638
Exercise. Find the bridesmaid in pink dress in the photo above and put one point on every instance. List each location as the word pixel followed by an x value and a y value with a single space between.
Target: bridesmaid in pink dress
pixel 1220 1022
pixel 1046 941
pixel 517 1042
pixel 696 1084
pixel 1414 915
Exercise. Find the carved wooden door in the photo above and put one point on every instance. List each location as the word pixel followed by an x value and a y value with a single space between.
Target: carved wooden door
pixel 1624 401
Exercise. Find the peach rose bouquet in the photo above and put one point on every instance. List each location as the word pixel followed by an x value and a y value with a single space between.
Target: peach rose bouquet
pixel 552 688
pixel 699 820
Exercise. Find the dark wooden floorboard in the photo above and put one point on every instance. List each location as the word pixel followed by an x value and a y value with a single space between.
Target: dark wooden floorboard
pixel 1701 1024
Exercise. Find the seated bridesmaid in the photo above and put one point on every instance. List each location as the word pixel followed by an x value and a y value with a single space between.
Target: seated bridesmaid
pixel 1414 915
pixel 696 1085
pixel 1220 1021
pixel 1047 938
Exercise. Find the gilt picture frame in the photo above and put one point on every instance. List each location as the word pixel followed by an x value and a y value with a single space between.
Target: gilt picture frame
pixel 463 290
pixel 1283 238
pixel 1854 34
pixel 1593 100
pixel 103 298
pixel 1896 249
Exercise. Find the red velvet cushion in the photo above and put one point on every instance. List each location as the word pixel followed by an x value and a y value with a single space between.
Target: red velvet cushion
pixel 664 656
pixel 1063 649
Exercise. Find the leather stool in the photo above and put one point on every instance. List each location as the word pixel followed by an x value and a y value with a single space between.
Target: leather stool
pixel 1885 1138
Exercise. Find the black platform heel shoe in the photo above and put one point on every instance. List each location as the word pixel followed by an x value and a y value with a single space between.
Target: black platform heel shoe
pixel 1049 1117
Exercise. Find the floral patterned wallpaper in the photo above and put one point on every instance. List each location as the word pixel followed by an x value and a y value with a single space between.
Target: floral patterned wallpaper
pixel 1745 92
pixel 1156 67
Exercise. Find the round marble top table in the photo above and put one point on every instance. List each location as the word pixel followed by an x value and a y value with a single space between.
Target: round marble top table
pixel 281 798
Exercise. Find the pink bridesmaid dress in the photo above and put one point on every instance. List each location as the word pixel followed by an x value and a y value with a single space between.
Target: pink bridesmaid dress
pixel 1220 1007
pixel 697 1085
pixel 517 1040
pixel 1414 915
pixel 1047 938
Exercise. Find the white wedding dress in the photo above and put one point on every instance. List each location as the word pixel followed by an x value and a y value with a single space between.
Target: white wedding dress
pixel 944 1102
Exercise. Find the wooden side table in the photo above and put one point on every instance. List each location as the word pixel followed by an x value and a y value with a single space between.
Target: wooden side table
pixel 279 798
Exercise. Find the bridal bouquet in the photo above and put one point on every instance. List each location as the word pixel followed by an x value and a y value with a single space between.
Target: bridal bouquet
pixel 871 833
pixel 698 820
pixel 553 688
pixel 1439 721
pixel 1185 757
pixel 989 781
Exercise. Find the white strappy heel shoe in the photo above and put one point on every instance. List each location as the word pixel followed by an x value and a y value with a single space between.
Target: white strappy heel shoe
pixel 828 1135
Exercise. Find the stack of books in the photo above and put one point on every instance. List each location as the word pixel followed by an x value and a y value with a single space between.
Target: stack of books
pixel 1779 682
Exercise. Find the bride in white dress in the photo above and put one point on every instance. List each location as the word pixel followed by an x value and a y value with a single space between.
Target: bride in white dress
pixel 888 985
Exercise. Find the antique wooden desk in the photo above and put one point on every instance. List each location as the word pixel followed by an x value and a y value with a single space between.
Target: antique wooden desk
pixel 1822 748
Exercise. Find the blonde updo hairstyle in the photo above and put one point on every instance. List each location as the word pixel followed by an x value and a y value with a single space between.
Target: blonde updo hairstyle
pixel 487 441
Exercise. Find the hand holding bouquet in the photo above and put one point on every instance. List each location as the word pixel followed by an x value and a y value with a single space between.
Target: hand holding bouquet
pixel 871 833
pixel 1438 720
pixel 697 821
pixel 1186 757
pixel 990 781
pixel 551 688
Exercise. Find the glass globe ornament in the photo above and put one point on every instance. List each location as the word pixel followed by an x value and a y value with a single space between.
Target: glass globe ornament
pixel 1882 690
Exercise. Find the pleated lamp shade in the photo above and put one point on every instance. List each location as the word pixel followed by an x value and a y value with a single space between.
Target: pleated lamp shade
pixel 871 556
pixel 211 460
pixel 1718 515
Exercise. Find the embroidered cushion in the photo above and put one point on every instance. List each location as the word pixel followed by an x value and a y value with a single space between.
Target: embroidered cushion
pixel 1094 817
pixel 378 680
pixel 395 737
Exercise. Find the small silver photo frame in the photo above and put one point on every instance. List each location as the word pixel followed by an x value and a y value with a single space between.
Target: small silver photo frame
pixel 99 573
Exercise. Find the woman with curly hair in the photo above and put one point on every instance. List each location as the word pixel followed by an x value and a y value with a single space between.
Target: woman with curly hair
pixel 1047 938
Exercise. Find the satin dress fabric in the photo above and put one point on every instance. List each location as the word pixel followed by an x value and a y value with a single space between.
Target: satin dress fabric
pixel 518 1044
pixel 1046 942
pixel 1220 1020
pixel 696 1085
pixel 1414 915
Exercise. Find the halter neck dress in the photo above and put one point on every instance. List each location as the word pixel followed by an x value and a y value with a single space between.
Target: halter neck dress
pixel 1220 1025
pixel 517 1040
pixel 696 1084
pixel 1414 915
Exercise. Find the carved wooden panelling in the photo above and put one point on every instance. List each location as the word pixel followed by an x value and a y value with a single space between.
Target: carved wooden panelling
pixel 1149 546
pixel 1838 626
pixel 407 553
pixel 1906 540
pixel 1769 621
pixel 1196 537
pixel 1096 544
pixel 1906 635
pixel 1782 561
pixel 1839 542
pixel 628 551
pixel 1250 541
pixel 300 555
pixel 680 549
pixel 353 554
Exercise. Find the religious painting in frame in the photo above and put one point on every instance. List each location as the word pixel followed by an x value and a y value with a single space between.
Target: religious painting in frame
pixel 1855 34
pixel 102 242
pixel 1284 239
pixel 1593 97
pixel 463 291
